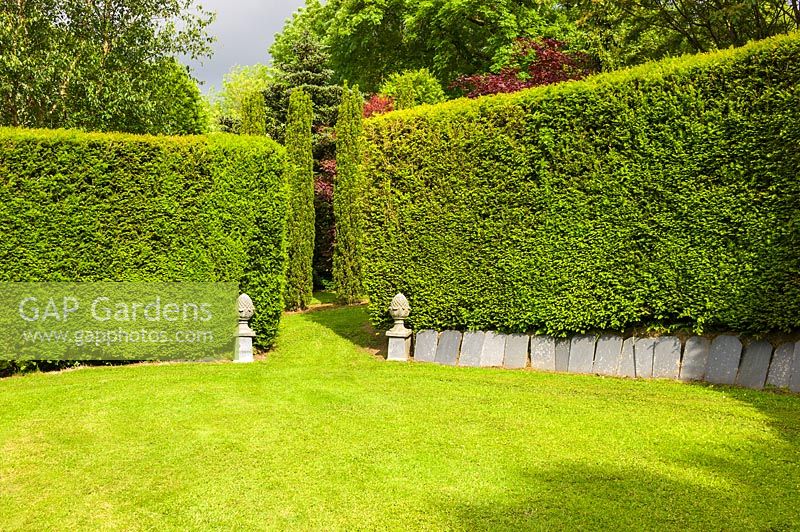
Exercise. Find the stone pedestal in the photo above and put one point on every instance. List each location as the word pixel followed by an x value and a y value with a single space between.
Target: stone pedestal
pixel 244 344
pixel 244 334
pixel 399 336
pixel 399 345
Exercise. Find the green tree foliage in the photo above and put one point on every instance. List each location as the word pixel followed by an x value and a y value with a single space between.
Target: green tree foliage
pixel 615 40
pixel 302 62
pixel 238 84
pixel 412 87
pixel 667 195
pixel 629 32
pixel 306 68
pixel 105 65
pixel 371 39
pixel 348 197
pixel 254 115
pixel 714 25
pixel 177 105
pixel 312 18
pixel 113 207
pixel 300 223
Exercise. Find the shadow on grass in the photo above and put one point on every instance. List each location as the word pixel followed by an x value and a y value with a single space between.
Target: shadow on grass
pixel 781 408
pixel 581 496
pixel 352 324
pixel 734 485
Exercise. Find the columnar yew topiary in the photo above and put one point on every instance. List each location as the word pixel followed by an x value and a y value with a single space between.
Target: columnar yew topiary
pixel 254 115
pixel 348 197
pixel 300 222
pixel 665 195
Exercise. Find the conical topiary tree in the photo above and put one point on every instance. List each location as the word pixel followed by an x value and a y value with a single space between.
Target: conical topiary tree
pixel 305 68
pixel 300 221
pixel 347 196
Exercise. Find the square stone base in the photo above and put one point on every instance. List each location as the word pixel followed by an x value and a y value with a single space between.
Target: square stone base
pixel 244 350
pixel 399 349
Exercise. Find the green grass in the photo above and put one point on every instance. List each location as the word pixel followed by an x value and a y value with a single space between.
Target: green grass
pixel 323 435
pixel 323 298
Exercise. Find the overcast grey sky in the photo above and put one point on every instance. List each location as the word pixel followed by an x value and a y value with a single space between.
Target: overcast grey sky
pixel 244 30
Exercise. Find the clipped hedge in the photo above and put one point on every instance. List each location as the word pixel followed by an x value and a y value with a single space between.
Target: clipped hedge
pixel 110 207
pixel 668 194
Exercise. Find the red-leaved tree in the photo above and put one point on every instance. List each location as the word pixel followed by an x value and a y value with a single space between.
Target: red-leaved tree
pixel 323 205
pixel 533 63
pixel 378 105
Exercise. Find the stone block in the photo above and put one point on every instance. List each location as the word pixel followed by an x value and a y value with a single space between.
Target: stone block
pixel 643 352
pixel 543 353
pixel 494 347
pixel 581 354
pixel 471 348
pixel 755 365
pixel 627 360
pixel 667 357
pixel 448 348
pixel 607 354
pixel 425 344
pixel 516 356
pixel 695 358
pixel 562 354
pixel 794 380
pixel 723 360
pixel 780 369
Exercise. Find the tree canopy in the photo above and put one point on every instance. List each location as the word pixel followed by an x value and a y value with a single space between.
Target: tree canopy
pixel 239 84
pixel 412 87
pixel 304 66
pixel 101 65
pixel 625 32
pixel 369 40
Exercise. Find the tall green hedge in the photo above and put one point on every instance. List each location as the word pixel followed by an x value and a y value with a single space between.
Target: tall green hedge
pixel 300 223
pixel 668 194
pixel 108 207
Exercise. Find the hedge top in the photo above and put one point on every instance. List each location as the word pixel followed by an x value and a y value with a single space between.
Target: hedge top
pixel 74 135
pixel 652 71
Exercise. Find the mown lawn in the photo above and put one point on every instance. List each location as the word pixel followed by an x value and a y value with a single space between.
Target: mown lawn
pixel 323 435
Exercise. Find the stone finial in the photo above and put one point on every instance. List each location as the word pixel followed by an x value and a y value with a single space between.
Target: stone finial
pixel 246 307
pixel 399 308
pixel 245 335
pixel 399 335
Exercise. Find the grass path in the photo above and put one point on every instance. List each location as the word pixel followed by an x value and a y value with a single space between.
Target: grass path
pixel 323 435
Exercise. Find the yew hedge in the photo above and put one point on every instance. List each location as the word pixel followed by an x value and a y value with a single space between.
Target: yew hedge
pixel 668 194
pixel 111 207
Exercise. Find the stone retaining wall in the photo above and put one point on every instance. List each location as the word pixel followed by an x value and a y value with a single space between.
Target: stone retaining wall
pixel 721 360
